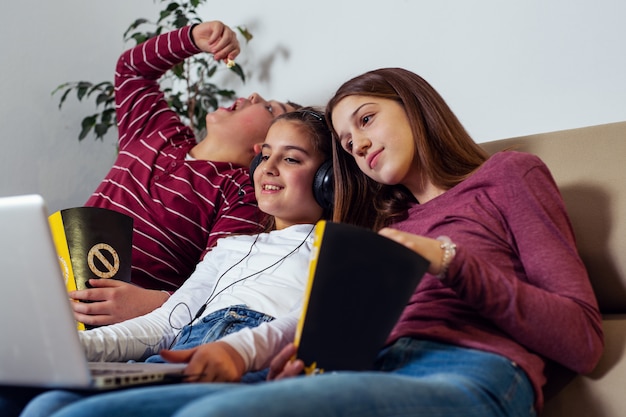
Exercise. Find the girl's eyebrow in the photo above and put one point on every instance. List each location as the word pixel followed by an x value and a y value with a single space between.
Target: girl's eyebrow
pixel 353 115
pixel 287 148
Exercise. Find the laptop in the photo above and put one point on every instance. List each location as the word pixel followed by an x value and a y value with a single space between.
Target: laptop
pixel 359 284
pixel 40 345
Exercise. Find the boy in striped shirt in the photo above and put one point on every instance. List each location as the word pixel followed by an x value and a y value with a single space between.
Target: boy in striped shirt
pixel 183 194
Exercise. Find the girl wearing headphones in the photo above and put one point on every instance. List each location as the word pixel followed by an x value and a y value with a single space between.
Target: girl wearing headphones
pixel 245 280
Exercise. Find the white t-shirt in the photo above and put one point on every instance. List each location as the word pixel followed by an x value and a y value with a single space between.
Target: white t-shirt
pixel 266 273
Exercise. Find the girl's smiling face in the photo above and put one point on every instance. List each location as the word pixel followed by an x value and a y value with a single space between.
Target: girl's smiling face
pixel 284 177
pixel 376 132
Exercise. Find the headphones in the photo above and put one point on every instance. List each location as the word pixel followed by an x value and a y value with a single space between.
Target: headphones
pixel 323 182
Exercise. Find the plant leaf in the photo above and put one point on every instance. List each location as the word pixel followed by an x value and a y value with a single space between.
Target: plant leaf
pixel 64 96
pixel 101 129
pixel 134 26
pixel 164 15
pixel 139 37
pixel 239 71
pixel 87 124
pixel 81 89
pixel 101 98
pixel 99 86
pixel 60 87
pixel 245 33
pixel 181 20
pixel 108 116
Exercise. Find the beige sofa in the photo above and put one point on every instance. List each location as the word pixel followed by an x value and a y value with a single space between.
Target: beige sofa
pixel 589 165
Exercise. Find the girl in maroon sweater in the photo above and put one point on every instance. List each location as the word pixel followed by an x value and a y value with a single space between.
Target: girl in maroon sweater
pixel 506 294
pixel 506 283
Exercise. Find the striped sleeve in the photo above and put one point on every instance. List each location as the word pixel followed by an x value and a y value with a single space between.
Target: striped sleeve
pixel 140 103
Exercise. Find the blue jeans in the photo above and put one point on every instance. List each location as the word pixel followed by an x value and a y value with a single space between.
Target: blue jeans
pixel 214 326
pixel 418 378
pixel 210 328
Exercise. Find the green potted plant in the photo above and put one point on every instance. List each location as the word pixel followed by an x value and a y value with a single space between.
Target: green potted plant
pixel 188 86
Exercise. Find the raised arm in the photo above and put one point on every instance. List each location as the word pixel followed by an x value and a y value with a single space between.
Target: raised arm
pixel 140 103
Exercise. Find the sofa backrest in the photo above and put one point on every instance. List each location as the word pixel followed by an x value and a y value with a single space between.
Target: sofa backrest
pixel 589 166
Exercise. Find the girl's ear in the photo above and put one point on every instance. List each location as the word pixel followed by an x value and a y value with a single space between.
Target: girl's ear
pixel 257 147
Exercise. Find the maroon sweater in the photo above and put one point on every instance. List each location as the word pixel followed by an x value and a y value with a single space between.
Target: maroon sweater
pixel 517 286
pixel 180 208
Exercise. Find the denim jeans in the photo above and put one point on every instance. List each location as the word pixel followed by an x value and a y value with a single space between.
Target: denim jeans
pixel 210 328
pixel 419 378
pixel 214 326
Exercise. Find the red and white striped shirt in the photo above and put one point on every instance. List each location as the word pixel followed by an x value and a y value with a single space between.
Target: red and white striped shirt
pixel 180 207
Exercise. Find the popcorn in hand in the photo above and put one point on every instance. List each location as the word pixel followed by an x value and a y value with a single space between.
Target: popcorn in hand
pixel 230 63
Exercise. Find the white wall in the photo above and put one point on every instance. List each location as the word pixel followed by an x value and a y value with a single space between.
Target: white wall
pixel 41 46
pixel 506 68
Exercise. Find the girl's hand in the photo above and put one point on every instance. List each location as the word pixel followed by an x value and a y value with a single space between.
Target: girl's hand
pixel 216 38
pixel 211 362
pixel 430 249
pixel 113 301
pixel 283 366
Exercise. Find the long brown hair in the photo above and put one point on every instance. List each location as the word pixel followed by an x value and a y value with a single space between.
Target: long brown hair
pixel 446 153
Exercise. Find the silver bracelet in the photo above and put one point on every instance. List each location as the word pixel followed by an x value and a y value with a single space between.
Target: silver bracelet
pixel 449 250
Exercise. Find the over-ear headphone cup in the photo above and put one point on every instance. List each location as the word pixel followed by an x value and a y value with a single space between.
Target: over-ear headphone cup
pixel 324 186
pixel 253 165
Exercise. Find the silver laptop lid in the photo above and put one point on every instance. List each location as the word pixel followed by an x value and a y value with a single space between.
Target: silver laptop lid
pixel 39 344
